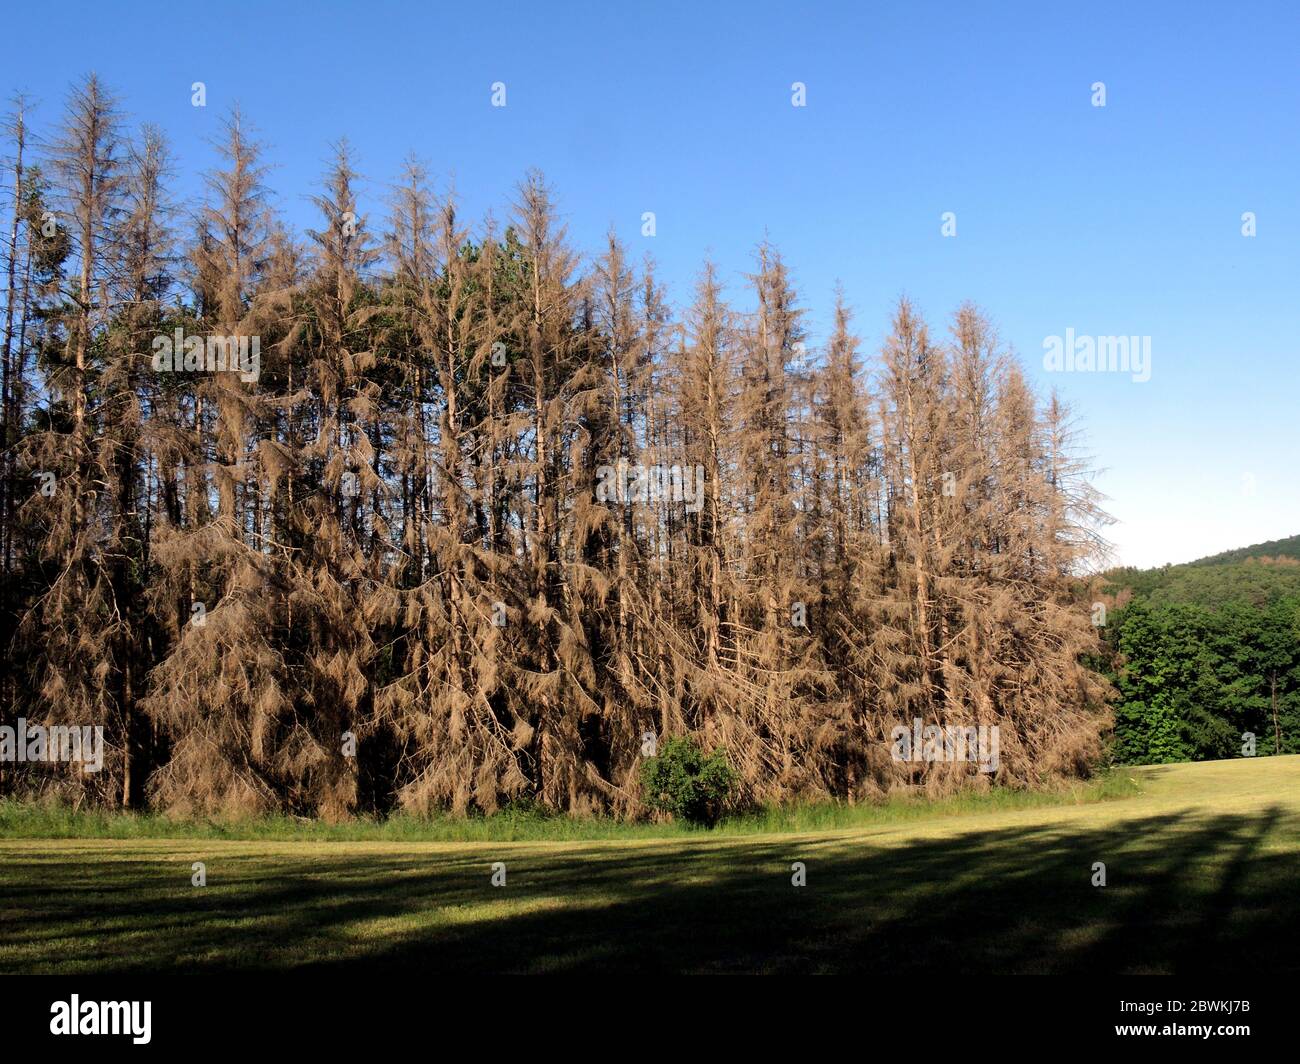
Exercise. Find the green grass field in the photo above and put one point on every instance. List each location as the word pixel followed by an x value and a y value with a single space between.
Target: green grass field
pixel 1202 863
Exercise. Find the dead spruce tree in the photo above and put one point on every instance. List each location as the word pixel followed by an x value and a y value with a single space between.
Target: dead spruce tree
pixel 852 563
pixel 223 694
pixel 339 506
pixel 78 615
pixel 455 600
pixel 790 716
pixel 142 280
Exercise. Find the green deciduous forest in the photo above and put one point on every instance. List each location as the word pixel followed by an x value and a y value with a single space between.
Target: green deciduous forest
pixel 1205 652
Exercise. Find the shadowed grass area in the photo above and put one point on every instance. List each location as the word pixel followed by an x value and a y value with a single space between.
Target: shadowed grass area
pixel 1203 874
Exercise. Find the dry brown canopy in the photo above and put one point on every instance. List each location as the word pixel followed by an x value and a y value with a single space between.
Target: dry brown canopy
pixel 488 511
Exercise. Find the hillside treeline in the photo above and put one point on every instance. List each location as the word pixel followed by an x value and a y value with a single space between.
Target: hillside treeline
pixel 1206 656
pixel 408 512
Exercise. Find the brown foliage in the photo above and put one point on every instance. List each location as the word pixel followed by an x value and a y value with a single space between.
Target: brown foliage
pixel 382 570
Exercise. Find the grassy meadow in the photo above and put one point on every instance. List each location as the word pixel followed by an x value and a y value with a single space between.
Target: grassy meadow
pixel 1202 874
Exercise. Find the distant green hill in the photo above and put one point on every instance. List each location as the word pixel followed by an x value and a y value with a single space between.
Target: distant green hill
pixel 1257 575
pixel 1207 654
pixel 1274 548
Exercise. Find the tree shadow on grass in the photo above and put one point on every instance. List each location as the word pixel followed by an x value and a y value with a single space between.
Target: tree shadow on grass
pixel 1186 893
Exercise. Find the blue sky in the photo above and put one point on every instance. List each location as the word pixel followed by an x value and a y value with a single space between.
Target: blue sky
pixel 1116 220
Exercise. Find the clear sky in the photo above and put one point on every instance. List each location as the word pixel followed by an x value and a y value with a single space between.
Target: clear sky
pixel 1122 220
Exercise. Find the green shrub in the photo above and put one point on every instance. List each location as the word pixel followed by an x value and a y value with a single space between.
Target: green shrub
pixel 685 783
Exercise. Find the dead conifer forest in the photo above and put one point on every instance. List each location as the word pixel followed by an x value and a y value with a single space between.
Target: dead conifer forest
pixel 413 511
